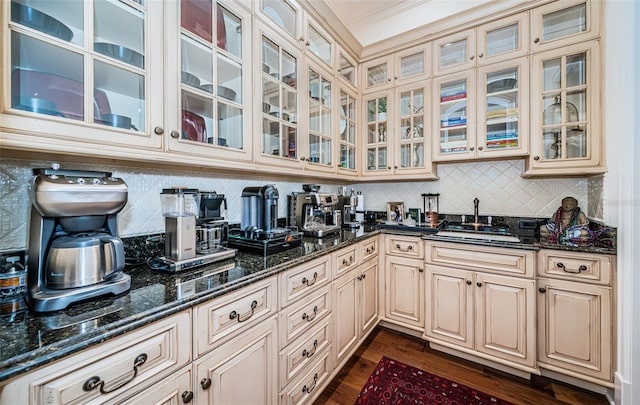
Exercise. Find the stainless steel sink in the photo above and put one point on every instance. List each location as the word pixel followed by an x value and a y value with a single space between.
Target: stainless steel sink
pixel 480 231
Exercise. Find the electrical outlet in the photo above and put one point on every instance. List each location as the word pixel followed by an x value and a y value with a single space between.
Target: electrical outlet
pixel 527 224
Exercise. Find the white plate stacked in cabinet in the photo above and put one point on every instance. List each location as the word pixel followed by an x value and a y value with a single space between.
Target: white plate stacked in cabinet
pixel 305 331
pixel 576 307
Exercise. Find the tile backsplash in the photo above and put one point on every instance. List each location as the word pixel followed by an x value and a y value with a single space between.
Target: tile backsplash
pixel 498 185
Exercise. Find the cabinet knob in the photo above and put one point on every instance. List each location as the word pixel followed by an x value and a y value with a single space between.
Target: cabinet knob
pixel 395 77
pixel 302 158
pixel 481 55
pixel 471 57
pixel 479 284
pixel 187 397
pixel 205 383
pixel 421 270
pixel 388 79
pixel 388 167
pixel 480 147
pixel 472 149
pixel 542 289
pixel 469 282
pixel 158 130
pixel 175 134
pixel 536 40
pixel 536 158
pixel 307 43
pixel 395 167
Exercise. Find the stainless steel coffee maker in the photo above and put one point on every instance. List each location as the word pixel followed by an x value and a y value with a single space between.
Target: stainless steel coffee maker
pixel 317 214
pixel 74 250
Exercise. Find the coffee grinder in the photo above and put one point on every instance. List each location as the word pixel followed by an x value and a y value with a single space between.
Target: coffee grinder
pixel 74 251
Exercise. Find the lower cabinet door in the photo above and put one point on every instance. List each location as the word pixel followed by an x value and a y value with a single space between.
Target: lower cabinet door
pixel 405 291
pixel 368 296
pixel 505 317
pixel 575 331
pixel 242 371
pixel 345 315
pixel 173 390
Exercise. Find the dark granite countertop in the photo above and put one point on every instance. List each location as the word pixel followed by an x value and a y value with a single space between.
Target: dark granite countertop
pixel 29 340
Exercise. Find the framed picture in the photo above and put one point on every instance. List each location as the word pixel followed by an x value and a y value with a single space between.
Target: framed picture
pixel 415 214
pixel 395 211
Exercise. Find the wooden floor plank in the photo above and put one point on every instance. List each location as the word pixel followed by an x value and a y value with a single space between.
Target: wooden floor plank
pixel 348 383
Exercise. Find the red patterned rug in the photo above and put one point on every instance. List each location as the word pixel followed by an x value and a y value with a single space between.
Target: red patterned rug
pixel 393 382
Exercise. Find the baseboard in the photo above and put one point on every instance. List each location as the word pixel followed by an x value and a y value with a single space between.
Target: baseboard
pixel 607 391
pixel 401 329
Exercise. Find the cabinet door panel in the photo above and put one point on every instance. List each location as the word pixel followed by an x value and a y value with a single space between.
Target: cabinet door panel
pixel 575 328
pixel 405 295
pixel 505 317
pixel 450 308
pixel 346 315
pixel 174 390
pixel 368 297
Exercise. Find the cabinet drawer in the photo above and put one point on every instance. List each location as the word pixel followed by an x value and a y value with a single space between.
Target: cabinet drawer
pixel 369 249
pixel 302 280
pixel 305 389
pixel 483 258
pixel 217 321
pixel 173 390
pixel 304 351
pixel 346 259
pixel 588 267
pixel 297 319
pixel 405 246
pixel 124 365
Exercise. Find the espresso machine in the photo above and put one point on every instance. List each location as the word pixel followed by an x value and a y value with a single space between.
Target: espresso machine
pixel 74 250
pixel 348 206
pixel 259 229
pixel 316 214
pixel 191 241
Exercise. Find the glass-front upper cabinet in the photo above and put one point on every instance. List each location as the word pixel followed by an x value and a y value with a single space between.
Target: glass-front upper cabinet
pixel 346 69
pixel 377 153
pixel 320 123
pixel 86 63
pixel 412 145
pixel 565 129
pixel 213 79
pixel 566 22
pixel 503 109
pixel 283 15
pixel 278 90
pixel 454 117
pixel 503 39
pixel 403 67
pixel 347 119
pixel 455 52
pixel 318 44
pixel 377 74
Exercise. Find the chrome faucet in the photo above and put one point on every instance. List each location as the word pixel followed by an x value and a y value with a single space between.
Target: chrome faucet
pixel 476 202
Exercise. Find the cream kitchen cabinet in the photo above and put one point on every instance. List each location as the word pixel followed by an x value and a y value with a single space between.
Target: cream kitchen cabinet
pixel 482 113
pixel 481 301
pixel 97 81
pixel 320 134
pixel 347 142
pixel 409 65
pixel 355 308
pixel 496 41
pixel 113 371
pixel 576 315
pixel 558 24
pixel 176 389
pixel 566 132
pixel 241 371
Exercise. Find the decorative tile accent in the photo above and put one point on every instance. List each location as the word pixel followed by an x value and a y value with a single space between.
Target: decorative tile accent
pixel 498 185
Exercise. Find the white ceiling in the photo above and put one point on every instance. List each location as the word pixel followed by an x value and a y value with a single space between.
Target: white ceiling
pixel 371 21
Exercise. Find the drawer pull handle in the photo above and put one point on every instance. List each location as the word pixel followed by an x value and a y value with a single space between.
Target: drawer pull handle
pixel 205 383
pixel 566 270
pixel 96 381
pixel 234 314
pixel 408 249
pixel 371 250
pixel 349 262
pixel 308 282
pixel 310 318
pixel 311 352
pixel 308 390
pixel 187 397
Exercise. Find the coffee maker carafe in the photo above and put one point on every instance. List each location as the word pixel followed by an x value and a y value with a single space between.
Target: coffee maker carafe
pixel 74 251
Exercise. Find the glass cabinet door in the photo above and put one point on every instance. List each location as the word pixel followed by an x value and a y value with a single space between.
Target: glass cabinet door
pixel 212 62
pixel 347 68
pixel 412 64
pixel 502 112
pixel 411 139
pixel 454 134
pixel 377 143
pixel 279 86
pixel 506 38
pixel 347 130
pixel 52 58
pixel 378 73
pixel 455 52
pixel 565 22
pixel 565 125
pixel 320 137
pixel 285 14
pixel 319 45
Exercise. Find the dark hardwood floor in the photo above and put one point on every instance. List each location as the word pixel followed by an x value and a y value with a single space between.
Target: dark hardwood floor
pixel 344 389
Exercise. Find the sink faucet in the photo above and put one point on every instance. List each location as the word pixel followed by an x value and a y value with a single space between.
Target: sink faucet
pixel 476 202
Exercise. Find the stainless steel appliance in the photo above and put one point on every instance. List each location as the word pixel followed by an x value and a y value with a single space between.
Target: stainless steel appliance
pixel 259 229
pixel 192 240
pixel 74 251
pixel 348 205
pixel 317 214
